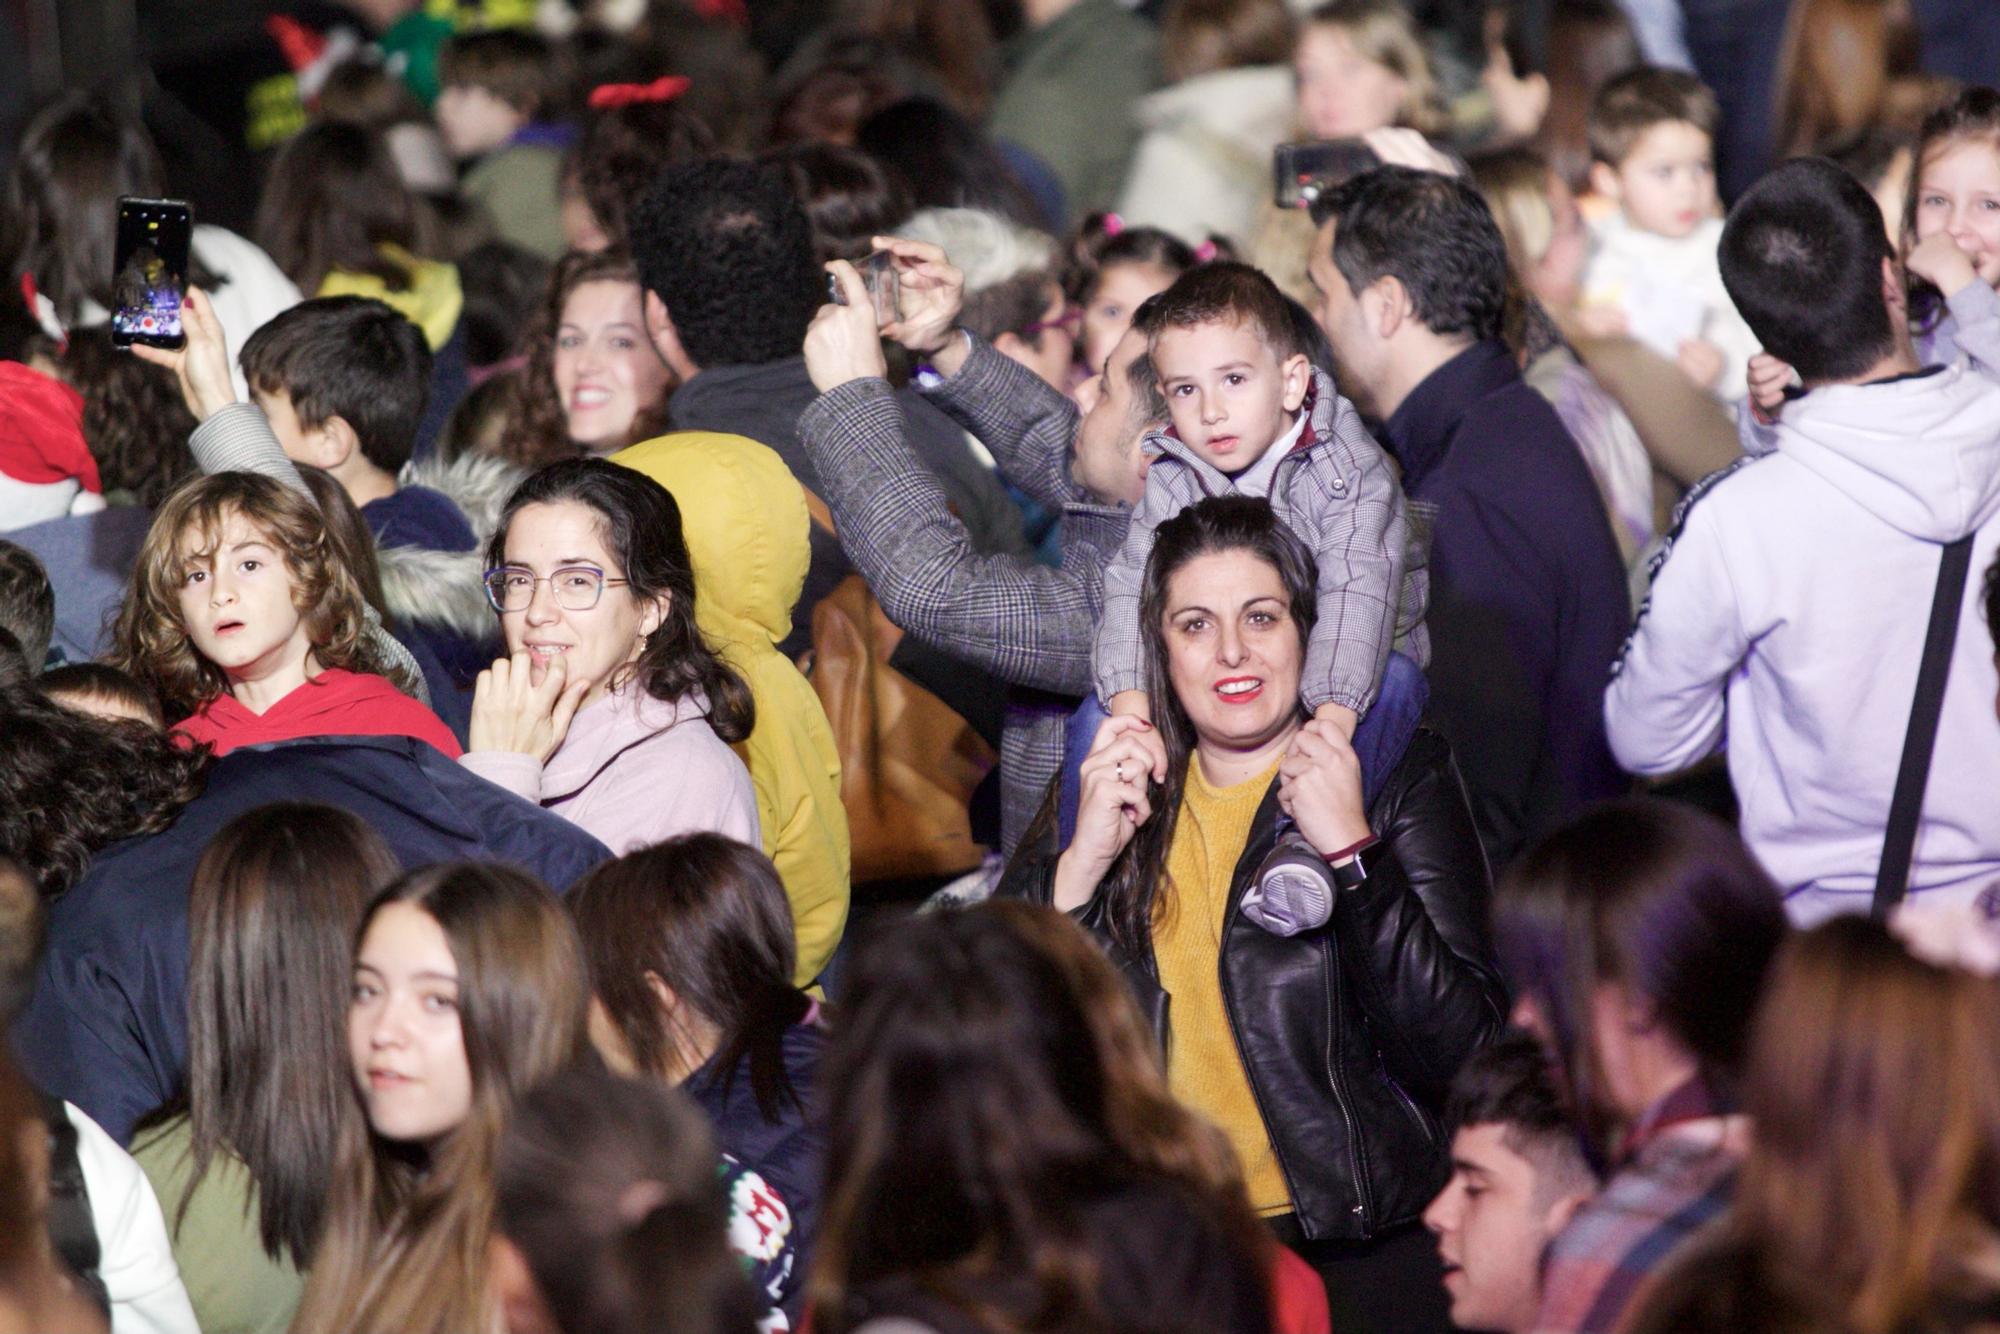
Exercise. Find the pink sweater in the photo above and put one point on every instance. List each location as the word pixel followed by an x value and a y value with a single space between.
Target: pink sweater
pixel 635 771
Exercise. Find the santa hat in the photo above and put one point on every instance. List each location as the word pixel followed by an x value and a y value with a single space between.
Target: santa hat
pixel 41 430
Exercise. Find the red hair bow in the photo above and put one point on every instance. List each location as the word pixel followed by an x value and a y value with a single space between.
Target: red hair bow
pixel 664 89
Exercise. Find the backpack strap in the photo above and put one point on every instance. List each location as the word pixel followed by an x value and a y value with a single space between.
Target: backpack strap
pixel 1906 807
pixel 72 1226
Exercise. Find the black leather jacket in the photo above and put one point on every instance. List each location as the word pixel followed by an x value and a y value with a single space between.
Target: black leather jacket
pixel 1351 1034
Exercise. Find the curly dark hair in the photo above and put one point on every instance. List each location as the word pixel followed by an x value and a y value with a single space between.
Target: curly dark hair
pixel 729 251
pixel 537 429
pixel 134 419
pixel 641 526
pixel 71 784
pixel 622 152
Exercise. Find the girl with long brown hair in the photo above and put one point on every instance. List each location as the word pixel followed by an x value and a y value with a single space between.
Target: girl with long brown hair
pixel 243 1163
pixel 468 990
pixel 1870 1201
pixel 245 620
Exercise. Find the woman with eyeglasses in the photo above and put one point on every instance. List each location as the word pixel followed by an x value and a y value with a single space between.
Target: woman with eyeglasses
pixel 610 708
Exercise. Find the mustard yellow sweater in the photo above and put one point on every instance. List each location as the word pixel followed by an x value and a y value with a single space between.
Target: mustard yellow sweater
pixel 1203 1065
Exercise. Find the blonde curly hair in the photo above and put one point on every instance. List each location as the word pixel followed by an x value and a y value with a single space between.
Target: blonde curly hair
pixel 151 637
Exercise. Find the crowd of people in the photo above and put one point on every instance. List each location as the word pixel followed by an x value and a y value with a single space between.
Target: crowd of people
pixel 971 667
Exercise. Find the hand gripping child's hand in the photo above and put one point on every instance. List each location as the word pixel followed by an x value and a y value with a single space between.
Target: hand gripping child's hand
pixel 511 711
pixel 842 343
pixel 1319 786
pixel 1112 803
pixel 1768 380
pixel 202 363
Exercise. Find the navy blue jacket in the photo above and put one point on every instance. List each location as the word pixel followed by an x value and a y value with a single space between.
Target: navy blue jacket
pixel 106 1027
pixel 1528 601
pixel 787 1152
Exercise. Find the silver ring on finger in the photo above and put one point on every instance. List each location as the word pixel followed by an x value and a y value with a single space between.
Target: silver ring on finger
pixel 1119 769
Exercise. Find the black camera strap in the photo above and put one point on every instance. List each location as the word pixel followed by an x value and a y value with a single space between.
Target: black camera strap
pixel 1906 807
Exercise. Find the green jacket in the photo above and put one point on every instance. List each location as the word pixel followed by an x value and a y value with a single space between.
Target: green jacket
pixel 1069 97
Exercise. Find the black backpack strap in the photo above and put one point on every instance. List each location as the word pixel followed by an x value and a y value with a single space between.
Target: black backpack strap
pixel 1906 807
pixel 72 1226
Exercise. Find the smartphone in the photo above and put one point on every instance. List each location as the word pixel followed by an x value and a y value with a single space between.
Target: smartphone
pixel 151 275
pixel 878 275
pixel 1301 172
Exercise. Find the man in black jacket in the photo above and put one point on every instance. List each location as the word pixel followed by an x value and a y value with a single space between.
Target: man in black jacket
pixel 1528 601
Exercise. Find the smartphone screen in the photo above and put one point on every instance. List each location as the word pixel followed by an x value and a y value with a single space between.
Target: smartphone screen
pixel 1302 171
pixel 152 271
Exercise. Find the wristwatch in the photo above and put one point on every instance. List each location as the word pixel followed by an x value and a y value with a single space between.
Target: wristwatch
pixel 1352 867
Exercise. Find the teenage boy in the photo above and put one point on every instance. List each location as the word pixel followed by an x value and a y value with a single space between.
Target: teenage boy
pixel 1652 271
pixel 1252 416
pixel 1518 1175
pixel 1790 607
pixel 496 87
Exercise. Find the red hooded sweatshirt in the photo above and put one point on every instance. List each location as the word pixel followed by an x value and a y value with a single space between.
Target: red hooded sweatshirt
pixel 334 703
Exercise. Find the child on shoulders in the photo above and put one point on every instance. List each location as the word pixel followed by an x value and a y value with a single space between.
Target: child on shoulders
pixel 1652 272
pixel 1252 416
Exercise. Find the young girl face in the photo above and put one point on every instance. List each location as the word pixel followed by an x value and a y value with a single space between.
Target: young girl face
pixel 562 539
pixel 1342 93
pixel 1120 290
pixel 236 602
pixel 1958 194
pixel 607 371
pixel 403 1034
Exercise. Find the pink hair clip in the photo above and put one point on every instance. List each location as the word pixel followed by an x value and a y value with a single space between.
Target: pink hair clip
pixel 664 89
pixel 1113 224
pixel 1204 252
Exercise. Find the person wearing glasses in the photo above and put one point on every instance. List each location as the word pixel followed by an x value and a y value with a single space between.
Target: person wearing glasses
pixel 610 709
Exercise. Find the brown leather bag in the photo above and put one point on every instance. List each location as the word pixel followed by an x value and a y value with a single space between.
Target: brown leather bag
pixel 908 762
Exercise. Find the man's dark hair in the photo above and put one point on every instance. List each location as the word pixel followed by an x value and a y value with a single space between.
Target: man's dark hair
pixel 727 249
pixel 350 357
pixel 1226 293
pixel 1149 405
pixel 1637 100
pixel 27 603
pixel 1430 232
pixel 1802 258
pixel 102 682
pixel 1508 1084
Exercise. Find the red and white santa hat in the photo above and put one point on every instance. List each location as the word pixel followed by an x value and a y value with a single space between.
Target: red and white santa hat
pixel 41 431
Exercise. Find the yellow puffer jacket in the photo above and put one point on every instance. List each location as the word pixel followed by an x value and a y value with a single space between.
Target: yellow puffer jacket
pixel 744 517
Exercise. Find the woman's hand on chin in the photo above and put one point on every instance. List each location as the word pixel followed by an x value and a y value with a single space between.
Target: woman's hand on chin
pixel 1319 786
pixel 511 711
pixel 1111 807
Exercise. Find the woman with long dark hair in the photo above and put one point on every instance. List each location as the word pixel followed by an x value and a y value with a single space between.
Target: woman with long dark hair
pixel 981 1173
pixel 243 1163
pixel 691 964
pixel 1324 1055
pixel 468 989
pixel 612 709
pixel 1637 939
pixel 1870 1201
pixel 593 382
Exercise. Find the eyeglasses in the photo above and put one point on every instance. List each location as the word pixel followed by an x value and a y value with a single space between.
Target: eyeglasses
pixel 1070 321
pixel 574 587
